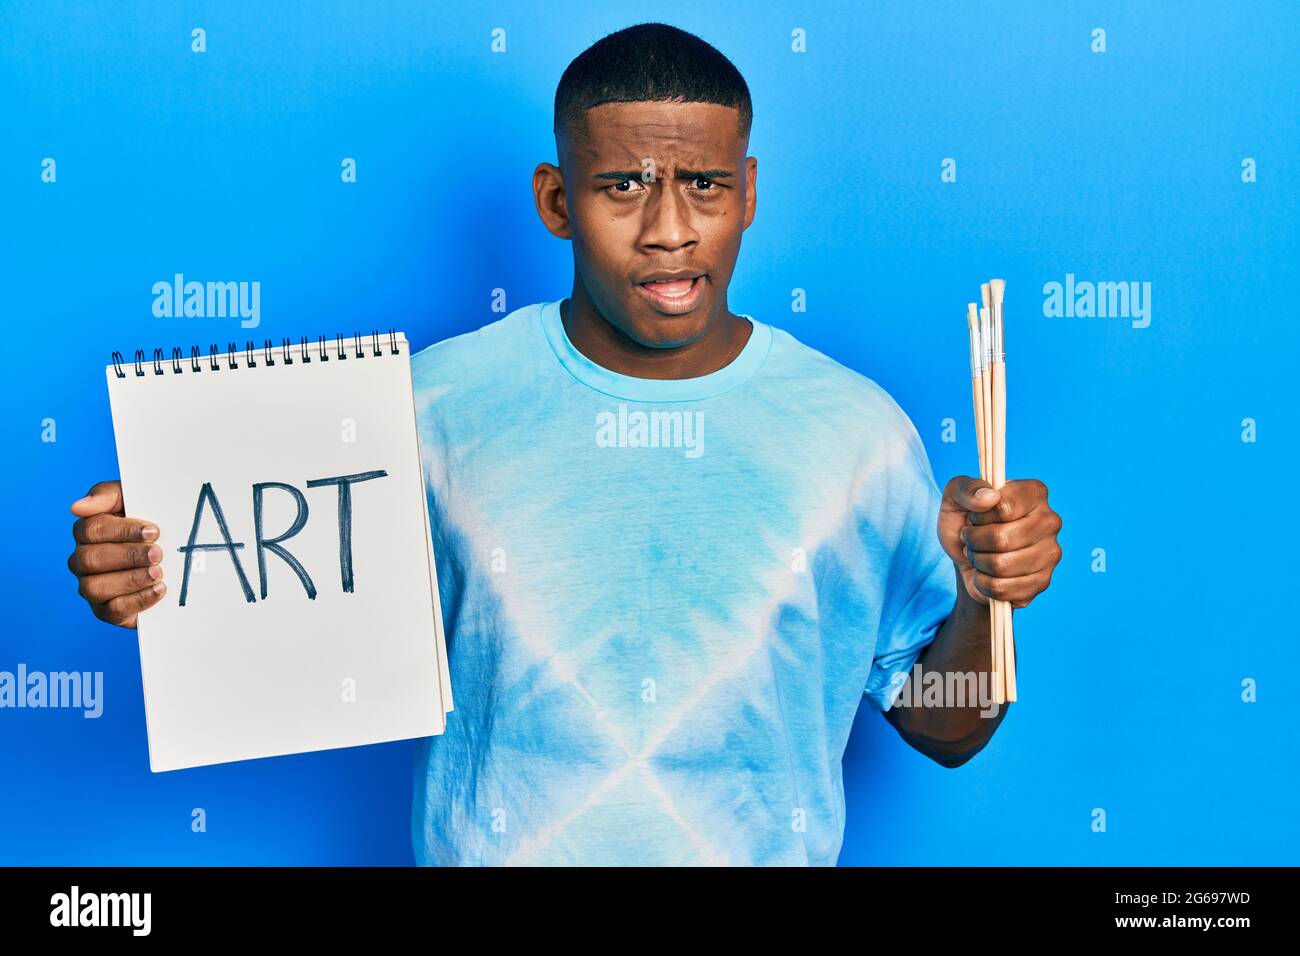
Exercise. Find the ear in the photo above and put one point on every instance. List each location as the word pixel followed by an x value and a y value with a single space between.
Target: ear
pixel 751 188
pixel 548 194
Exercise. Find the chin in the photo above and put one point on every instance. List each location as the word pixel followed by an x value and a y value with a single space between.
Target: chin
pixel 669 331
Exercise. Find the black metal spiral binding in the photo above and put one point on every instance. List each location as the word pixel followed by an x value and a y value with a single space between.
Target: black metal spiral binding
pixel 232 349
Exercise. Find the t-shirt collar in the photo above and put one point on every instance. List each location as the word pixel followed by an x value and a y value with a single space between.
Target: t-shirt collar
pixel 634 389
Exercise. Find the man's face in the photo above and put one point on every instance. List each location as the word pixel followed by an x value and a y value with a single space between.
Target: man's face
pixel 657 197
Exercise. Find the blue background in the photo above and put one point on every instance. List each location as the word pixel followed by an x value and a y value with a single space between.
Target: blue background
pixel 1117 166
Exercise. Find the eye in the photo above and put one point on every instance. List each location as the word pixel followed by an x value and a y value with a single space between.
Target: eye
pixel 617 189
pixel 708 182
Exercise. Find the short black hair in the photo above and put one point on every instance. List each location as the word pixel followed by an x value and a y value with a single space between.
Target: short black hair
pixel 648 62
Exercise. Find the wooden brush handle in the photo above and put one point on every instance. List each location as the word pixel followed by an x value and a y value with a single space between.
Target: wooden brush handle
pixel 1004 636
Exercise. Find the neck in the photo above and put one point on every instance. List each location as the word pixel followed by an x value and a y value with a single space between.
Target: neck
pixel 607 346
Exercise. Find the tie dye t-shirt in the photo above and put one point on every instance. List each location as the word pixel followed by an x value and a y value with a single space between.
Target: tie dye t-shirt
pixel 664 600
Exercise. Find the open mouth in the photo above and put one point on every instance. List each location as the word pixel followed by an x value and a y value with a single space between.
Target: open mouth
pixel 673 296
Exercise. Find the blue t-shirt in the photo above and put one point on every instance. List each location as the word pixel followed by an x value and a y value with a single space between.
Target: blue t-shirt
pixel 664 600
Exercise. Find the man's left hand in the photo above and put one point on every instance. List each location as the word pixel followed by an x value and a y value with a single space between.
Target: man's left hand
pixel 1003 542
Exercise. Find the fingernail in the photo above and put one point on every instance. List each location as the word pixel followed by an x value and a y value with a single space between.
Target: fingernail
pixel 986 494
pixel 149 532
pixel 159 588
pixel 964 538
pixel 155 571
pixel 155 554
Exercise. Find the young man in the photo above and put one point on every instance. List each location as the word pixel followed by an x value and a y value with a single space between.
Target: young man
pixel 676 547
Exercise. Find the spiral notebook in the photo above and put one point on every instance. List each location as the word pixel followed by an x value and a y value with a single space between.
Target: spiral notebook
pixel 302 609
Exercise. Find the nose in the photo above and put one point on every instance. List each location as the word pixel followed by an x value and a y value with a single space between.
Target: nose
pixel 667 224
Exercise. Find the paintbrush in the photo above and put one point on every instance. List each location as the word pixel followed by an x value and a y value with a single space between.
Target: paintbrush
pixel 976 320
pixel 986 473
pixel 997 288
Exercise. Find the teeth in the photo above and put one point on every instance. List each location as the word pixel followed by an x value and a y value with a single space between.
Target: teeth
pixel 663 287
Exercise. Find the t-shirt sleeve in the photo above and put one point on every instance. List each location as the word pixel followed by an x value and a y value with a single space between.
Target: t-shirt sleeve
pixel 922 583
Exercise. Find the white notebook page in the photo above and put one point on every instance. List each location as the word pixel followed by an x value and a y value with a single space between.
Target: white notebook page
pixel 229 678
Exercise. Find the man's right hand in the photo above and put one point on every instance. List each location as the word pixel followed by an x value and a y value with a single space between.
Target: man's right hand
pixel 117 560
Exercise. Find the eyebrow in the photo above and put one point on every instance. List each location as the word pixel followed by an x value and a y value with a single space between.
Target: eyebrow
pixel 680 174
